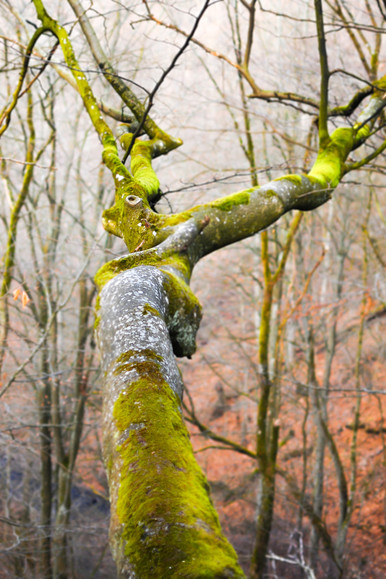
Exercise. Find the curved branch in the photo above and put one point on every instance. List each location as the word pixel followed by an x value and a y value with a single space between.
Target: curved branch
pixel 191 417
pixel 159 148
pixel 7 111
pixel 243 214
pixel 365 160
pixel 110 151
pixel 352 105
pixel 258 93
pixel 129 98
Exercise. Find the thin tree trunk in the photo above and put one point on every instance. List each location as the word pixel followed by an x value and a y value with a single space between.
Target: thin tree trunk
pixel 44 404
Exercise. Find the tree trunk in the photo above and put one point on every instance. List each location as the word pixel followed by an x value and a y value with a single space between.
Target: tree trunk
pixel 163 523
pixel 44 401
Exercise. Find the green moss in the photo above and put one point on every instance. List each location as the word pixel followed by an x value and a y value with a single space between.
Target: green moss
pixel 138 366
pixel 270 193
pixel 110 220
pixel 148 309
pixel 224 204
pixel 295 179
pixel 312 179
pixel 362 133
pixel 126 140
pixel 329 165
pixel 177 218
pixel 170 526
pixel 97 308
pixel 227 203
pixel 143 172
pixel 178 262
pixel 125 362
pixel 135 223
pixel 112 268
pixel 130 353
pixel 109 465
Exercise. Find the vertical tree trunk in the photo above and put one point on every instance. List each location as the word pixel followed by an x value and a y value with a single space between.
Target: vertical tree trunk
pixel 44 405
pixel 61 558
pixel 266 439
pixel 163 523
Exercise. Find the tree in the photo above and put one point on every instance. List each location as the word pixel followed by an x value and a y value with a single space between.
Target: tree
pixel 162 519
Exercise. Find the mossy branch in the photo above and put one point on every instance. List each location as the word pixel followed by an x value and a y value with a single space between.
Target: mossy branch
pixel 365 160
pixel 243 214
pixel 348 109
pixel 110 151
pixel 165 141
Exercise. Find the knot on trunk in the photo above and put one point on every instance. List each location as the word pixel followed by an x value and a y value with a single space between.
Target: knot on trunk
pixel 183 316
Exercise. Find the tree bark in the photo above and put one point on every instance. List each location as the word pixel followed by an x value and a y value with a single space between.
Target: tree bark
pixel 163 523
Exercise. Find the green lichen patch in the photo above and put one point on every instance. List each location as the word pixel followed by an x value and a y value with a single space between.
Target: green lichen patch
pixel 295 179
pixel 148 309
pixel 137 366
pixel 177 218
pixel 129 361
pixel 97 321
pixel 178 262
pixel 112 268
pixel 147 352
pixel 223 204
pixel 170 528
pixel 269 193
pixel 227 203
pixel 329 165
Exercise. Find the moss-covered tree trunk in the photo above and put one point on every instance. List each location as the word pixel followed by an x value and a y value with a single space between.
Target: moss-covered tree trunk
pixel 163 523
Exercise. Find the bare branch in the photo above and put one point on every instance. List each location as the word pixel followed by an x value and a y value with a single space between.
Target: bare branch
pixel 324 75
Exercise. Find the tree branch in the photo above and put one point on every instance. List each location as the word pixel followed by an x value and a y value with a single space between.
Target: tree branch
pixel 324 75
pixel 166 142
pixel 7 111
pixel 110 151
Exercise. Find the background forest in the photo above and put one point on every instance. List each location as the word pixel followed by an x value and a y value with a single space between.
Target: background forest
pixel 322 273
